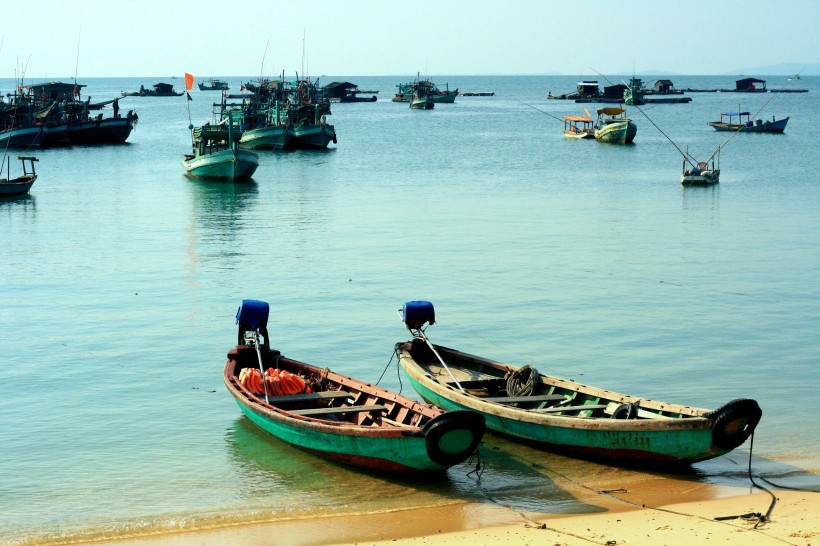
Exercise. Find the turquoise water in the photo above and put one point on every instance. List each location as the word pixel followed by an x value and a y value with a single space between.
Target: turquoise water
pixel 120 279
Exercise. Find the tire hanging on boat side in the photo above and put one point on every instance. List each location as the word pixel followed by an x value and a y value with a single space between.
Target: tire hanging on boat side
pixel 453 436
pixel 734 422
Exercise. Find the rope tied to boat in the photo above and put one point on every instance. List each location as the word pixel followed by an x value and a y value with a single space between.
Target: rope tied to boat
pixel 523 381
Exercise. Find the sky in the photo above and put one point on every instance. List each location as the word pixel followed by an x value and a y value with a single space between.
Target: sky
pixel 105 38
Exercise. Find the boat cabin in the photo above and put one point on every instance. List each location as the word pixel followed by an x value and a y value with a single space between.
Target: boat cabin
pixel 664 87
pixel 55 91
pixel 610 114
pixel 588 89
pixel 615 92
pixel 163 88
pixel 337 90
pixel 751 85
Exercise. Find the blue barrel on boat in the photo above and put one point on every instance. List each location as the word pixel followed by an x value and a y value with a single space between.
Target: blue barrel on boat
pixel 253 314
pixel 416 313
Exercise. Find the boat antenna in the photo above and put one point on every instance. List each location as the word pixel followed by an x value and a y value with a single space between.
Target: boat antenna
pixel 77 60
pixel 262 68
pixel 546 113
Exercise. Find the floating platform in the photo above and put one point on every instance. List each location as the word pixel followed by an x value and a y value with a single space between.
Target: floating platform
pixel 477 94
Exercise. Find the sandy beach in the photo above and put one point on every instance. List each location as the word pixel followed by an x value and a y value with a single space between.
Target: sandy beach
pixel 795 519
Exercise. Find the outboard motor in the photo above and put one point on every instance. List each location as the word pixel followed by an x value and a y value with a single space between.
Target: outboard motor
pixel 252 317
pixel 415 314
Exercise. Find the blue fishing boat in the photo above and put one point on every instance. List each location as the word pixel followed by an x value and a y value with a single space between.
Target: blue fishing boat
pixel 339 417
pixel 745 124
pixel 564 415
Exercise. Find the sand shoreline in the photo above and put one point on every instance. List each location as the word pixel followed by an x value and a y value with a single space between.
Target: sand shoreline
pixel 795 520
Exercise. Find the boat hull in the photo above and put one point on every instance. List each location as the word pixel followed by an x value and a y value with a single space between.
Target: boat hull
pixel 17 186
pixel 657 441
pixel 620 132
pixel 222 165
pixel 101 131
pixel 388 443
pixel 24 137
pixel 312 136
pixel 757 127
pixel 274 137
pixel 704 178
pixel 422 104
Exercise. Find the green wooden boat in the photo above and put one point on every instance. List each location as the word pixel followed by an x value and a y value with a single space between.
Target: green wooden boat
pixel 564 415
pixel 613 126
pixel 342 418
pixel 217 156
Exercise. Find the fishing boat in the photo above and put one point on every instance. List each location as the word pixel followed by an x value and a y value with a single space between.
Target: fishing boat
pixel 578 127
pixel 22 184
pixel 213 85
pixel 422 98
pixel 745 124
pixel 307 111
pixel 22 137
pixel 701 174
pixel 339 417
pixel 407 91
pixel 216 154
pixel 564 415
pixel 613 126
pixel 159 90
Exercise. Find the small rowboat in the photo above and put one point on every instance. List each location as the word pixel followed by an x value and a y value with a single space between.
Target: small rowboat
pixel 22 184
pixel 339 417
pixel 566 416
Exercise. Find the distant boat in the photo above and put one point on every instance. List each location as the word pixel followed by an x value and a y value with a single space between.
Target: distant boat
pixel 795 77
pixel 213 85
pixel 699 175
pixel 339 417
pixel 407 91
pixel 22 184
pixel 578 127
pixel 216 154
pixel 565 415
pixel 746 125
pixel 613 126
pixel 159 90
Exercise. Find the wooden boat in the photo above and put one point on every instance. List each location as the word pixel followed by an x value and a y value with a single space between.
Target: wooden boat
pixel 700 175
pixel 22 184
pixel 22 137
pixel 613 126
pixel 746 125
pixel 307 111
pixel 339 417
pixel 578 127
pixel 564 415
pixel 159 90
pixel 407 91
pixel 217 156
pixel 214 85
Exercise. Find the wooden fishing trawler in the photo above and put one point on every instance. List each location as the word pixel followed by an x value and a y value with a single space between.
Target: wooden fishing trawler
pixel 564 415
pixel 159 90
pixel 213 85
pixel 339 417
pixel 306 112
pixel 613 126
pixel 408 91
pixel 216 154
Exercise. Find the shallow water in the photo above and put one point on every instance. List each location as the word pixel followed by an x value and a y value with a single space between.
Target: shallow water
pixel 120 279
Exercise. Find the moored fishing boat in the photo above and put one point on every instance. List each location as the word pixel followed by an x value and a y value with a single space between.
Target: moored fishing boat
pixel 22 184
pixel 339 417
pixel 564 415
pixel 22 137
pixel 746 125
pixel 307 109
pixel 578 127
pixel 407 91
pixel 613 126
pixel 213 85
pixel 216 154
pixel 701 174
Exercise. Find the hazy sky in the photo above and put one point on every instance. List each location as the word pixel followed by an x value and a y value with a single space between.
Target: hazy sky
pixel 387 37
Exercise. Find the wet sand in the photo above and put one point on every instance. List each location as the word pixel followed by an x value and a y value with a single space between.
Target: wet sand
pixel 627 518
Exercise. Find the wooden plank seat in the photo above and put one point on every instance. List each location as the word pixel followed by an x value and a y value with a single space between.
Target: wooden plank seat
pixel 306 397
pixel 342 409
pixel 519 399
pixel 571 409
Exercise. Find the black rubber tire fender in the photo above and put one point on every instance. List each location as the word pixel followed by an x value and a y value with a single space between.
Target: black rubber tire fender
pixel 627 410
pixel 450 424
pixel 734 422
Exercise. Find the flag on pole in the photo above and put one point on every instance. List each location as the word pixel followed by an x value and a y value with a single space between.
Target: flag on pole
pixel 189 95
pixel 189 81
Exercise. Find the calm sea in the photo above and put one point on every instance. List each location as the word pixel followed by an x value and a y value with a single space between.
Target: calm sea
pixel 120 279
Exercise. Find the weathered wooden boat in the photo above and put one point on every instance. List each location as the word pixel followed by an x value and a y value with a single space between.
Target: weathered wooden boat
pixel 578 127
pixel 312 136
pixel 564 415
pixel 22 184
pixel 217 156
pixel 746 125
pixel 213 85
pixel 701 174
pixel 339 417
pixel 307 111
pixel 22 137
pixel 408 91
pixel 613 126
